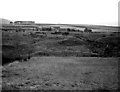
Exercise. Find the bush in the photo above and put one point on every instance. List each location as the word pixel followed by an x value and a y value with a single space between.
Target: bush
pixel 18 48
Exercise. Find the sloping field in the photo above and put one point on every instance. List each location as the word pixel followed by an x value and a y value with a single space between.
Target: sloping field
pixel 62 73
pixel 109 40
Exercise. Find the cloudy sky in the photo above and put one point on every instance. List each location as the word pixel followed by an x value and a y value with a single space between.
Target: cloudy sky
pixel 97 12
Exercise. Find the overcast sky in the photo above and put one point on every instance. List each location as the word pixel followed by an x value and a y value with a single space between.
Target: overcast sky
pixel 97 12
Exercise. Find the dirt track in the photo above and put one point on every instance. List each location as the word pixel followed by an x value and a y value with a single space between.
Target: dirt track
pixel 60 73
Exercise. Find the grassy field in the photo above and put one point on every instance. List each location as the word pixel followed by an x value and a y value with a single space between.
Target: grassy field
pixel 62 73
pixel 58 45
pixel 38 60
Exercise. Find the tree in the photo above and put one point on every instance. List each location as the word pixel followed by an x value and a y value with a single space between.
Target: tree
pixel 87 30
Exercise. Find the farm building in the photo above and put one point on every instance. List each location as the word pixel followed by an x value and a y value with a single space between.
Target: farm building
pixel 24 22
pixel 63 29
pixel 56 28
pixel 46 28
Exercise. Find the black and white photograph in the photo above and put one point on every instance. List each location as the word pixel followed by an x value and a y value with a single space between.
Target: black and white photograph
pixel 59 45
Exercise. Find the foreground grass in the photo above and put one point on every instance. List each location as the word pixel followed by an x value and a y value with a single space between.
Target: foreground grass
pixel 62 73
